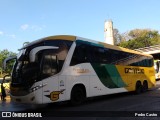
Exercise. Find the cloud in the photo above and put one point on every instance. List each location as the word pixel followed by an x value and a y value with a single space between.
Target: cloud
pixel 12 36
pixel 7 35
pixel 1 33
pixel 38 27
pixel 24 26
pixel 32 27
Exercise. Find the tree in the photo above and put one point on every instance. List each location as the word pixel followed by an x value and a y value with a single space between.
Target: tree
pixel 139 38
pixel 0 71
pixel 3 55
pixel 117 36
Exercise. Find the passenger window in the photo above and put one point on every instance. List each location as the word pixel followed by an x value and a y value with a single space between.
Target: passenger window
pixel 79 55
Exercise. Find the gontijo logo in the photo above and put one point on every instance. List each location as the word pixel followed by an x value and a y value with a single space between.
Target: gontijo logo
pixel 134 71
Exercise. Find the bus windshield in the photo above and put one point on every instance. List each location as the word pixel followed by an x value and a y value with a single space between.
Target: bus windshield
pixel 37 62
pixel 47 63
pixel 25 72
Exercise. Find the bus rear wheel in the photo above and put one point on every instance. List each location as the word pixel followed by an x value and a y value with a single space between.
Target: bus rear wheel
pixel 77 95
pixel 145 86
pixel 138 88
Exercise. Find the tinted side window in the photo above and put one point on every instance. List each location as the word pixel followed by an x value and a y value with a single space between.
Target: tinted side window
pixel 94 54
pixel 79 55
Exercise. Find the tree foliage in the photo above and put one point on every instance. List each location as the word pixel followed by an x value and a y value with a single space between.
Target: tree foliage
pixel 139 38
pixel 117 36
pixel 3 55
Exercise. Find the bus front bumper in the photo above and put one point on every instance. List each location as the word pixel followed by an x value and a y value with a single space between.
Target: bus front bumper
pixel 30 98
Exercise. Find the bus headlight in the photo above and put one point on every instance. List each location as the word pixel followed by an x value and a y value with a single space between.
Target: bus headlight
pixel 36 88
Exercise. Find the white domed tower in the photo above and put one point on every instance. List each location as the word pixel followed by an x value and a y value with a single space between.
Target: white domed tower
pixel 108 32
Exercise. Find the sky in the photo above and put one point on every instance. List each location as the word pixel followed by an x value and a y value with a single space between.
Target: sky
pixel 28 20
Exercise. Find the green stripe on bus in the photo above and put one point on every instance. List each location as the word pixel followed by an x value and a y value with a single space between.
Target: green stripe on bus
pixel 115 76
pixel 109 75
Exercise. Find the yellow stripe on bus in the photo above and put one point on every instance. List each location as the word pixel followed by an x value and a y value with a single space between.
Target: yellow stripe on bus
pixel 130 75
pixel 62 37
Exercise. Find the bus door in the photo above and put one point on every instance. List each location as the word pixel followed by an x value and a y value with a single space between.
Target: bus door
pixel 49 70
pixel 49 91
pixel 54 89
pixel 62 87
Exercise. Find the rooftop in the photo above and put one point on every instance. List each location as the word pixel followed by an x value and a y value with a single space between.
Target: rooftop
pixel 150 50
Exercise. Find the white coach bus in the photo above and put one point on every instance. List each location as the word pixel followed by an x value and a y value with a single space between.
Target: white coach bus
pixel 61 68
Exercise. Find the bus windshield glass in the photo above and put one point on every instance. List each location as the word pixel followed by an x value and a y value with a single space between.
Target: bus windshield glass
pixel 48 62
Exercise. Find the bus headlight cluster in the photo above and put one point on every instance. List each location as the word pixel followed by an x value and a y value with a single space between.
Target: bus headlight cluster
pixel 35 88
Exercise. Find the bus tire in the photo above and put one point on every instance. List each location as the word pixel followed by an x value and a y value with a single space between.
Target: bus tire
pixel 145 86
pixel 78 95
pixel 138 89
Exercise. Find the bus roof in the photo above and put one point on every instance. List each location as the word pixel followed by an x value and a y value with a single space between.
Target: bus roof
pixel 105 45
pixel 123 49
pixel 74 38
pixel 63 37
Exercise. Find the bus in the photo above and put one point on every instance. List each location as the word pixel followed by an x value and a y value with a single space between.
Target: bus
pixel 71 68
pixel 157 69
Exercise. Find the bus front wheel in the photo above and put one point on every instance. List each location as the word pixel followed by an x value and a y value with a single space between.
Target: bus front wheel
pixel 77 95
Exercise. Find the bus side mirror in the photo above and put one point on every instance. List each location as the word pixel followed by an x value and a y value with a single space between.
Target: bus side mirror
pixel 7 60
pixel 4 78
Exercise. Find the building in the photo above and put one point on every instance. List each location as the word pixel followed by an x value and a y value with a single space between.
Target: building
pixel 155 52
pixel 108 32
pixel 152 50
